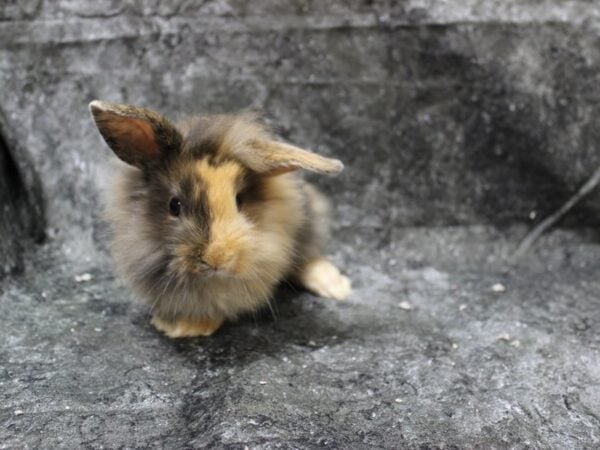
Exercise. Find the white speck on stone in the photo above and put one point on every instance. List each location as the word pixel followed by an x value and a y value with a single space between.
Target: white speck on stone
pixel 405 305
pixel 454 345
pixel 532 215
pixel 392 262
pixel 44 295
pixel 18 412
pixel 312 343
pixel 398 400
pixel 263 382
pixel 72 330
pixel 83 277
pixel 498 287
pixel 462 307
pixel 97 330
pixel 505 337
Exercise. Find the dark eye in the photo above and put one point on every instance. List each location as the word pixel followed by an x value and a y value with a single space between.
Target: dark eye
pixel 238 200
pixel 174 206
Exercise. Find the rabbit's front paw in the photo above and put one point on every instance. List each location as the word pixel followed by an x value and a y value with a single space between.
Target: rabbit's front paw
pixel 322 278
pixel 186 328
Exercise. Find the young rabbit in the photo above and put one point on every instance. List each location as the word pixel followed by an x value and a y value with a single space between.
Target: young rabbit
pixel 208 216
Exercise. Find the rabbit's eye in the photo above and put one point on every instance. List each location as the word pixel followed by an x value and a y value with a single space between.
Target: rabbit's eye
pixel 174 206
pixel 238 200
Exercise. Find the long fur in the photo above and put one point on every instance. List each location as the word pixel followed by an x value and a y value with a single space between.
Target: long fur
pixel 281 224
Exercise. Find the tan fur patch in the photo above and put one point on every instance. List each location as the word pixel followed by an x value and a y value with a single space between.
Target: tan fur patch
pixel 229 241
pixel 220 182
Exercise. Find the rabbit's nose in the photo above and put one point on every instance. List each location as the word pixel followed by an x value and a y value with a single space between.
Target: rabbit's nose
pixel 202 263
pixel 199 262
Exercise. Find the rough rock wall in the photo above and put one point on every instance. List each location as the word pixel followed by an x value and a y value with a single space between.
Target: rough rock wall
pixel 444 112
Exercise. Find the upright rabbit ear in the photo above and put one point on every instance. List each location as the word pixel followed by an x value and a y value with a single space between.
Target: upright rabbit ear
pixel 271 157
pixel 138 136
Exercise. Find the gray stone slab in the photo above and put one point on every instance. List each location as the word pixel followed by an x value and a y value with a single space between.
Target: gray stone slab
pixel 464 366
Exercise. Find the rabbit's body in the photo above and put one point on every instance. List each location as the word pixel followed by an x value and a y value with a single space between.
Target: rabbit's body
pixel 290 236
pixel 210 216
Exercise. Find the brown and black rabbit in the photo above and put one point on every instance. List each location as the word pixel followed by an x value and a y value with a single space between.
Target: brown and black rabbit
pixel 208 216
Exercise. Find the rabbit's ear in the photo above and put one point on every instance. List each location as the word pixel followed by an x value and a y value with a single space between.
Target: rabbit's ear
pixel 138 136
pixel 272 157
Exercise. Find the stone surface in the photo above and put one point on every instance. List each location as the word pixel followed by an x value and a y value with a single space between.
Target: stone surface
pixel 460 123
pixel 465 366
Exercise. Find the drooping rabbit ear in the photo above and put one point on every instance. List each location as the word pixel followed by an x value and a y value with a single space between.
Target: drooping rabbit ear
pixel 138 136
pixel 272 157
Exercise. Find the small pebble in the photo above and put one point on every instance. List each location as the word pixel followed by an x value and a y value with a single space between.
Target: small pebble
pixel 18 412
pixel 398 400
pixel 498 287
pixel 262 382
pixel 454 345
pixel 505 337
pixel 462 307
pixel 312 343
pixel 83 277
pixel 97 330
pixel 405 305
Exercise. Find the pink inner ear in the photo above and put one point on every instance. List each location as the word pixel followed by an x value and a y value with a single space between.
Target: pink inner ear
pixel 139 135
pixel 132 139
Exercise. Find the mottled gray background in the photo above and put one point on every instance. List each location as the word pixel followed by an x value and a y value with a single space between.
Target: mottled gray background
pixel 462 124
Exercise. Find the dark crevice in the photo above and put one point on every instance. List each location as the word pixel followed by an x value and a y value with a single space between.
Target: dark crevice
pixel 21 219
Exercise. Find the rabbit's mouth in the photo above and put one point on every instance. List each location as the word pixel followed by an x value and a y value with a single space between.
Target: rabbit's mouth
pixel 203 270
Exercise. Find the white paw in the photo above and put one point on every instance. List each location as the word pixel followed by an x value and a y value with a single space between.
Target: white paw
pixel 324 279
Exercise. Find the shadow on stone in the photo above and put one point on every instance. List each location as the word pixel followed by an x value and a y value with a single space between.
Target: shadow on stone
pixel 18 226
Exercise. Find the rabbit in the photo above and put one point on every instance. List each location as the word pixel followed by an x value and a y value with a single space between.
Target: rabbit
pixel 209 215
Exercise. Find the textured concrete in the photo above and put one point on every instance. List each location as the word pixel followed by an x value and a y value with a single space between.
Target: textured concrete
pixel 461 123
pixel 466 366
pixel 433 118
